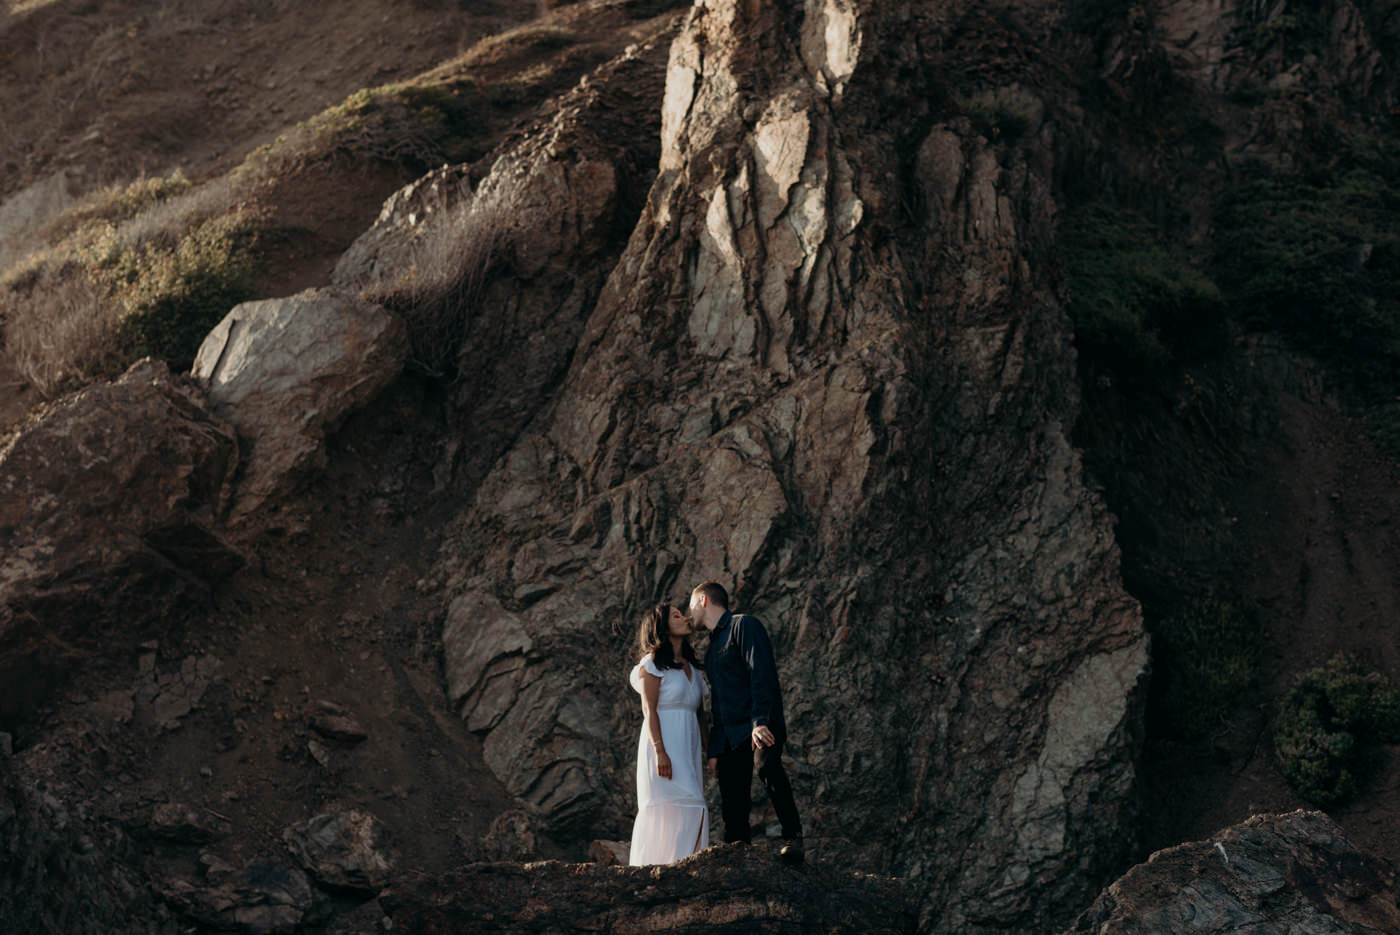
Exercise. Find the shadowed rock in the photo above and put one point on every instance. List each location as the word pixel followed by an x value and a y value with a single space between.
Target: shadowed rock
pixel 109 501
pixel 1294 873
pixel 498 281
pixel 732 888
pixel 343 850
pixel 262 898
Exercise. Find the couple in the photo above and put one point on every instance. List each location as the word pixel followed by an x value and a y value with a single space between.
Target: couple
pixel 746 730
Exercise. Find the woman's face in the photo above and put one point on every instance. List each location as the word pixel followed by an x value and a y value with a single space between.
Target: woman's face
pixel 679 623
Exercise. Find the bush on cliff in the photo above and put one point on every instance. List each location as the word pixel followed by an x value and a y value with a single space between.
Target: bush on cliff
pixel 171 296
pixel 1139 309
pixel 1328 726
pixel 1317 258
pixel 417 125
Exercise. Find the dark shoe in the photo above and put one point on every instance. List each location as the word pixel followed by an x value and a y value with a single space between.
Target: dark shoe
pixel 791 852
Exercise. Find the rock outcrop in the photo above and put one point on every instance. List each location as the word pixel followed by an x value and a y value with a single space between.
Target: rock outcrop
pixel 1293 873
pixel 287 372
pixel 497 282
pixel 110 502
pixel 832 370
pixel 732 888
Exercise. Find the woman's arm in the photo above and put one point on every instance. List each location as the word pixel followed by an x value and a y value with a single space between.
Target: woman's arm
pixel 651 691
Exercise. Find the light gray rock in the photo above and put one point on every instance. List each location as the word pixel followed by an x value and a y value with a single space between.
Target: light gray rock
pixel 1294 873
pixel 287 372
pixel 343 850
pixel 610 853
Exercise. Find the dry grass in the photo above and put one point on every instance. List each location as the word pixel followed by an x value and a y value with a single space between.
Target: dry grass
pixel 454 258
pixel 60 337
pixel 126 266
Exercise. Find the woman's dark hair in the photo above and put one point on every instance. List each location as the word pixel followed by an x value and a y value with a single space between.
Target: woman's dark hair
pixel 655 638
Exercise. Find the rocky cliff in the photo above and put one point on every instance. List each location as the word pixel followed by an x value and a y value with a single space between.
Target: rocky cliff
pixel 795 383
pixel 776 295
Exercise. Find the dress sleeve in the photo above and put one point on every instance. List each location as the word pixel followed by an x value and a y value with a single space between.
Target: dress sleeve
pixel 646 665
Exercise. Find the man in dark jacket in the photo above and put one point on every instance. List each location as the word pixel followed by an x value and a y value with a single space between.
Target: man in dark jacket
pixel 747 729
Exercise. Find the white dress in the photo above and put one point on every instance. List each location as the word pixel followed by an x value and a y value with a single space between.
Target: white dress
pixel 672 818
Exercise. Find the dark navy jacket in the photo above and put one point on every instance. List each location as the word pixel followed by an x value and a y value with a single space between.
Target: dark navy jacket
pixel 743 682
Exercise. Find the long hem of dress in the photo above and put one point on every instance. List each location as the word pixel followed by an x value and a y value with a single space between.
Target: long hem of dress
pixel 663 834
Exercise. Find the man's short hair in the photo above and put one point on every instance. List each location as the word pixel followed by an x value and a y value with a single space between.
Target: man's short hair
pixel 714 592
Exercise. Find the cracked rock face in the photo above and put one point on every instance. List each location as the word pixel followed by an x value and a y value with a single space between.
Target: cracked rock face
pixel 831 370
pixel 1273 873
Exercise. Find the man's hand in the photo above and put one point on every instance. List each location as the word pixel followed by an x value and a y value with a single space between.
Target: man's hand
pixel 663 764
pixel 762 737
pixel 713 763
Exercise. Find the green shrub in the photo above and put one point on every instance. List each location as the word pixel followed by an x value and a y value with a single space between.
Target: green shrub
pixel 1138 308
pixel 1318 259
pixel 417 125
pixel 1328 724
pixel 1207 656
pixel 170 297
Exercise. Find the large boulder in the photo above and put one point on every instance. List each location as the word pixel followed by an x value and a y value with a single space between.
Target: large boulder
pixel 110 502
pixel 287 372
pixel 1294 873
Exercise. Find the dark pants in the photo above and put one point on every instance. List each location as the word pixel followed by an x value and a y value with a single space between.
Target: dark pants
pixel 735 768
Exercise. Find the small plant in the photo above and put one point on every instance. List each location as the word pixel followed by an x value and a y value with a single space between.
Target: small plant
pixel 1138 308
pixel 1208 656
pixel 1329 723
pixel 454 260
pixel 170 297
pixel 62 335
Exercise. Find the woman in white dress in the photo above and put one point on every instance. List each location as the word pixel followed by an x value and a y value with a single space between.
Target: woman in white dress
pixel 672 818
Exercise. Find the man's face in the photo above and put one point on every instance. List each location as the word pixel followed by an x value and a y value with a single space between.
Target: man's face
pixel 697 609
